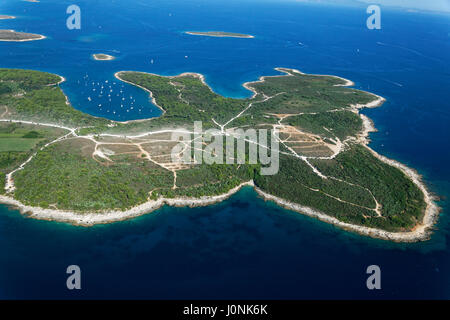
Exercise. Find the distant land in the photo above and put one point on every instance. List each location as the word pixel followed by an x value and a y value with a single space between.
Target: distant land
pixel 11 35
pixel 2 17
pixel 102 56
pixel 220 34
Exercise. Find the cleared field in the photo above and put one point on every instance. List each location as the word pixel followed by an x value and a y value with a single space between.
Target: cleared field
pixel 17 144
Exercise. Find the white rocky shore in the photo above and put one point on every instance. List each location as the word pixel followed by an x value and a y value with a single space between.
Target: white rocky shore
pixel 102 217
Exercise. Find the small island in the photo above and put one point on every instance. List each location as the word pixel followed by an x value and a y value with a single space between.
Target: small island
pixel 11 35
pixel 220 34
pixel 3 17
pixel 103 57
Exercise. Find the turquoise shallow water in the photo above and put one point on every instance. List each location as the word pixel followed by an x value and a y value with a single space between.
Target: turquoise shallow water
pixel 243 247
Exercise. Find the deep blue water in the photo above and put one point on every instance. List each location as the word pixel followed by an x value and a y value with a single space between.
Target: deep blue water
pixel 243 247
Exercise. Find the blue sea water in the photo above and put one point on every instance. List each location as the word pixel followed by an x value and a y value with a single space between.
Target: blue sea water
pixel 243 247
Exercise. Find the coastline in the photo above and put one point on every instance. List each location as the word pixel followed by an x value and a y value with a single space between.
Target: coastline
pixel 420 232
pixel 59 82
pixel 88 219
pixel 107 57
pixel 247 85
pixel 348 83
pixel 117 76
pixel 152 98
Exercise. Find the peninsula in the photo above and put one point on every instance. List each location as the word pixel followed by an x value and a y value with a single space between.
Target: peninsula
pixel 103 57
pixel 11 35
pixel 60 164
pixel 3 17
pixel 219 34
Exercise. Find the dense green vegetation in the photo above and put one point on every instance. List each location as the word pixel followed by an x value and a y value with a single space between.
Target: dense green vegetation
pixel 308 189
pixel 306 93
pixel 340 124
pixel 5 88
pixel 28 79
pixel 9 160
pixel 2 178
pixel 33 95
pixel 32 135
pixel 185 100
pixel 62 176
pixel 210 180
pixel 401 200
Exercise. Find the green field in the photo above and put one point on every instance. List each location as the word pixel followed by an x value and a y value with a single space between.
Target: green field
pixel 17 144
pixel 18 141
